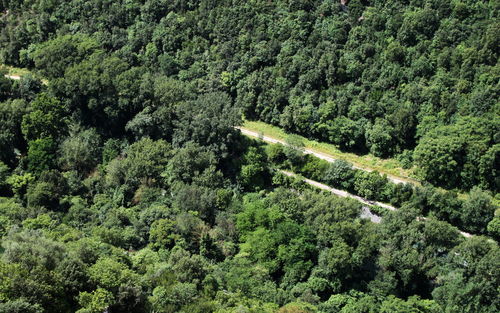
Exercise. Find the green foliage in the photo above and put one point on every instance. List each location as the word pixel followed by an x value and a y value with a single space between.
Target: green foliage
pixel 193 163
pixel 41 155
pixel 167 300
pixel 494 227
pixel 447 155
pixel 254 171
pixel 110 150
pixel 369 185
pixel 11 138
pixel 97 301
pixel 41 194
pixel 133 191
pixel 45 119
pixel 469 282
pixel 80 151
pixel 4 173
pixel 208 121
pixel 276 154
pixel 294 150
pixel 54 56
pixel 346 133
pixel 408 253
pixel 162 234
pixel 413 304
pixel 110 274
pixel 379 138
pixel 314 167
pixel 20 306
pixel 19 183
pixel 143 163
pixel 477 211
pixel 340 174
pixel 5 85
pixel 277 243
pixel 33 259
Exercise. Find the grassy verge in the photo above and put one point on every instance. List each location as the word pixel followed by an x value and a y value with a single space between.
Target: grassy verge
pixel 390 167
pixel 16 71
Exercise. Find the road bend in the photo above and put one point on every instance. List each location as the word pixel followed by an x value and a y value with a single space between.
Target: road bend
pixel 366 213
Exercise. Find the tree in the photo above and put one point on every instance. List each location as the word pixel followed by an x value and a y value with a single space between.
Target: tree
pixel 145 161
pixel 494 227
pixel 20 306
pixel 45 119
pixel 411 253
pixel 439 160
pixel 19 183
pixel 42 195
pixel 413 304
pixel 53 57
pixel 208 121
pixel 340 174
pixel 469 282
pixel 110 274
pixel 11 137
pixel 194 198
pixel 346 133
pixel 370 185
pixel 276 154
pixel 162 234
pixel 75 276
pixel 379 139
pixel 41 154
pixel 447 159
pixel 294 150
pixel 4 172
pixel 477 211
pixel 489 174
pixel 171 299
pixel 190 163
pixel 80 151
pixel 297 308
pixel 5 85
pixel 162 205
pixel 34 259
pixel 28 87
pixel 96 301
pixel 254 171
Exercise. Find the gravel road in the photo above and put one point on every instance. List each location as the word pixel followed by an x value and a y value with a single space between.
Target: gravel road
pixel 365 213
pixel 320 155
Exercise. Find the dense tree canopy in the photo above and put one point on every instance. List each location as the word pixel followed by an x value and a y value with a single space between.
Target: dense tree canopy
pixel 125 187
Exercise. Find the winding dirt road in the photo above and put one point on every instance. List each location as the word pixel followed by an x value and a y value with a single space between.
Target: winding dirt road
pixel 365 213
pixel 320 155
pixel 15 77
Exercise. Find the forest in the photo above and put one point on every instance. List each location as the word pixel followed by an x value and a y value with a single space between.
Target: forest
pixel 125 186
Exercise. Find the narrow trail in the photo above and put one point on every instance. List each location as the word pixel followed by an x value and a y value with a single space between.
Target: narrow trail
pixel 341 193
pixel 14 77
pixel 320 155
pixel 366 213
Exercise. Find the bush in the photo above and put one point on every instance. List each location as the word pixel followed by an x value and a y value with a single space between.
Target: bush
pixel 314 167
pixel 340 174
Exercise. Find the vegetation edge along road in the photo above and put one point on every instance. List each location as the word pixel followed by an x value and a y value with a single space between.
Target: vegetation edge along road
pixel 14 77
pixel 16 73
pixel 321 155
pixel 366 212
